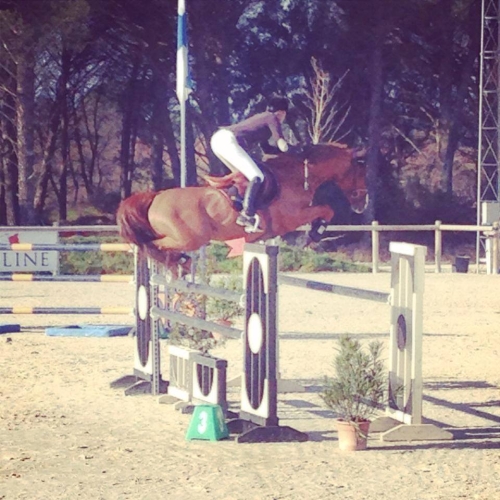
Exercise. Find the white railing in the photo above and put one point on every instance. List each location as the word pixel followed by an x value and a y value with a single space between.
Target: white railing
pixel 491 232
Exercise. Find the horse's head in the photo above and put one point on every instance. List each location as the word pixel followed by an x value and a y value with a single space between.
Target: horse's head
pixel 357 192
pixel 343 166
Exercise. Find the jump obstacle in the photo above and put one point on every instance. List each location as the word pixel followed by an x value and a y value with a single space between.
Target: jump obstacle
pixel 81 247
pixel 257 419
pixel 151 282
pixel 403 420
pixel 198 379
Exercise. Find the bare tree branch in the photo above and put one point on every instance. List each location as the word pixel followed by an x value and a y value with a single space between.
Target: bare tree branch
pixel 327 115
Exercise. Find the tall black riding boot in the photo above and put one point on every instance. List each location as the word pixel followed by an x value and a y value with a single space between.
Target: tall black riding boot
pixel 248 216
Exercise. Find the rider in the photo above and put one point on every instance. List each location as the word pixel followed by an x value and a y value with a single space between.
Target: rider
pixel 230 143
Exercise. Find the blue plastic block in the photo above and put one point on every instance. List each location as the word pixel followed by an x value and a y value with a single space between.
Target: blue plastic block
pixel 88 331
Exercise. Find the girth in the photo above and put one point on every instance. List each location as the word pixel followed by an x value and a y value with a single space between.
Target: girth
pixel 269 189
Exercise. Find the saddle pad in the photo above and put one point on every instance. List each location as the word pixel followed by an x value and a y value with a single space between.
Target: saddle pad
pixel 88 331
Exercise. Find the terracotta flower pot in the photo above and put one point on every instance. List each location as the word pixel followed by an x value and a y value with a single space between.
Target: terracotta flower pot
pixel 352 435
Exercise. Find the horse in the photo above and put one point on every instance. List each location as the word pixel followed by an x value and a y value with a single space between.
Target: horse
pixel 167 224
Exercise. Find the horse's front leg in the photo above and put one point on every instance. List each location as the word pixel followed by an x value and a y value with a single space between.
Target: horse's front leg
pixel 310 214
pixel 293 219
pixel 319 216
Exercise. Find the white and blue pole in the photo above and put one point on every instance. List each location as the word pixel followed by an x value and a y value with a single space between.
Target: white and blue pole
pixel 183 80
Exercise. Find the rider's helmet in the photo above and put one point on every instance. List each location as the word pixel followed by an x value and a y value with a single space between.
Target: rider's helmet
pixel 278 104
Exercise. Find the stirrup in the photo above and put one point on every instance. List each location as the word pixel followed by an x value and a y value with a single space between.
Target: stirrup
pixel 251 223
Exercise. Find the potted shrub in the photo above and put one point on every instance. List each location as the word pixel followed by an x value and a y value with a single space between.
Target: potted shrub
pixel 356 390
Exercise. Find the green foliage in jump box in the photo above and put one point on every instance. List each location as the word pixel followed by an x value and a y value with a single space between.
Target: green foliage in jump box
pixel 204 307
pixel 193 338
pixel 221 308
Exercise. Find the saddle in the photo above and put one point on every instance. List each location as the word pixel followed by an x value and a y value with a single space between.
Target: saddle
pixel 269 190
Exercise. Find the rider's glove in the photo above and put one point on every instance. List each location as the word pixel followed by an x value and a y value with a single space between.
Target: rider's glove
pixel 282 145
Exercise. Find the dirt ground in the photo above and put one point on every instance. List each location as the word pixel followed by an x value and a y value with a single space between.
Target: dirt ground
pixel 65 434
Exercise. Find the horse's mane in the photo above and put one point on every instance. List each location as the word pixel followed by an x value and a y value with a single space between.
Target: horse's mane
pixel 325 151
pixel 313 153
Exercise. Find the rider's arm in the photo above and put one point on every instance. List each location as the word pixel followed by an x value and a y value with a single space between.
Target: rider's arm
pixel 274 126
pixel 257 125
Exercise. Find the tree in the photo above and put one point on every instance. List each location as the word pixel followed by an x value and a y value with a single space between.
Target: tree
pixel 20 26
pixel 327 115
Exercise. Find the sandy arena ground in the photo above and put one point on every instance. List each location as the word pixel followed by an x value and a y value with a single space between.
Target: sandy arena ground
pixel 64 434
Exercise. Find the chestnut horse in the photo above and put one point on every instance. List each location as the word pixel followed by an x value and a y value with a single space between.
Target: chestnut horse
pixel 167 223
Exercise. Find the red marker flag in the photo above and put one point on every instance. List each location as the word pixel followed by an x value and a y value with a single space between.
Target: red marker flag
pixel 236 247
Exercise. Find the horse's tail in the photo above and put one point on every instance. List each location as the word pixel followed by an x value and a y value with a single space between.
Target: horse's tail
pixel 132 219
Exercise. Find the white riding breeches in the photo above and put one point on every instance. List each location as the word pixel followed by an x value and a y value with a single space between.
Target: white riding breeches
pixel 226 147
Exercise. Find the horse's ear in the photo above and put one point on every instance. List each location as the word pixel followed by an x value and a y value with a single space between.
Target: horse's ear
pixel 359 153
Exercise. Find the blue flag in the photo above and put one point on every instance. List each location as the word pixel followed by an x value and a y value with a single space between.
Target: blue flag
pixel 184 84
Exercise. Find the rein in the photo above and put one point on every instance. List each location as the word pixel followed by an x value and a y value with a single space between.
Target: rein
pixel 354 172
pixel 306 174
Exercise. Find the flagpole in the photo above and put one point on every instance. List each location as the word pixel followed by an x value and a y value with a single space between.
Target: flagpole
pixel 183 144
pixel 181 87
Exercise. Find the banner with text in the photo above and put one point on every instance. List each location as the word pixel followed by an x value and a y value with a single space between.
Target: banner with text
pixel 32 261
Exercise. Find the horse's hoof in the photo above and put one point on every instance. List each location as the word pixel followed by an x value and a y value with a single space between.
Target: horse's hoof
pixel 318 228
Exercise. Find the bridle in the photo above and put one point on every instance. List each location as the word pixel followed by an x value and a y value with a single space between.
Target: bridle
pixel 354 171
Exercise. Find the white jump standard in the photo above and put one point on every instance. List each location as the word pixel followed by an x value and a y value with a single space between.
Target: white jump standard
pixel 258 417
pixel 404 421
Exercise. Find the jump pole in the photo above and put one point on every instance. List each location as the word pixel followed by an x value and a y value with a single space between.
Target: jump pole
pixel 80 247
